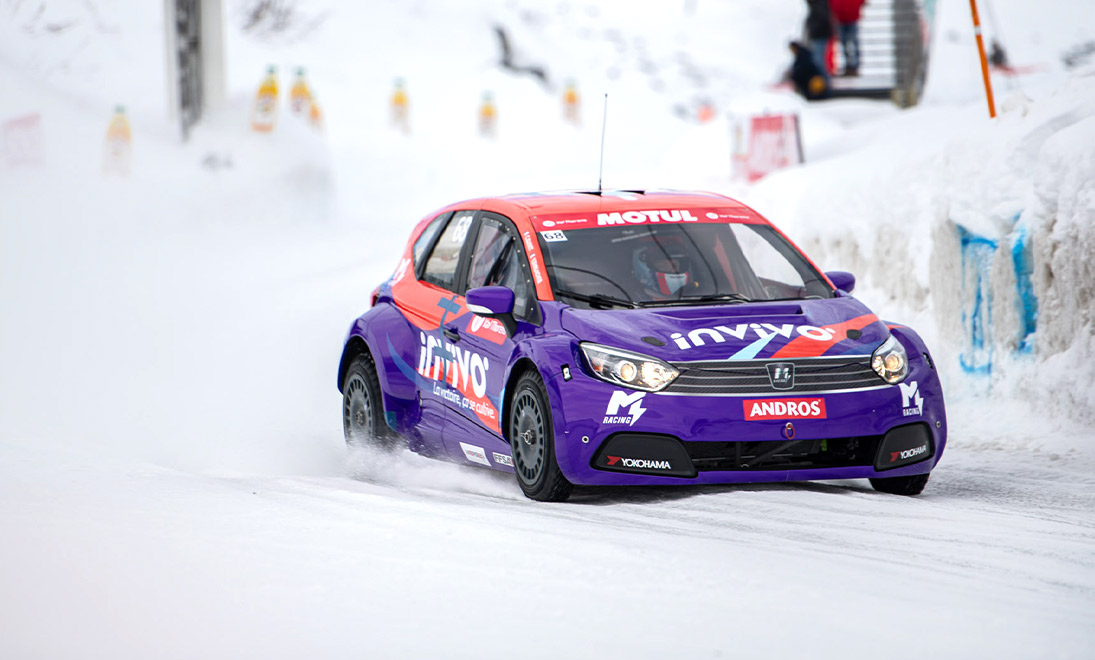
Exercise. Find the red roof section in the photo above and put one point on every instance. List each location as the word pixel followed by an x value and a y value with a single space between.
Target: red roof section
pixel 609 200
pixel 522 207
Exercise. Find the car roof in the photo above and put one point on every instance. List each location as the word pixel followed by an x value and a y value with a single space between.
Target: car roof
pixel 593 201
pixel 524 208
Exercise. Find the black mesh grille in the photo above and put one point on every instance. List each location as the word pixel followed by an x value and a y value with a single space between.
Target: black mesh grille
pixel 783 454
pixel 741 377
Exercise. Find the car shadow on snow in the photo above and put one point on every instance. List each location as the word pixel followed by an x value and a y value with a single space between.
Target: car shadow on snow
pixel 407 470
pixel 609 495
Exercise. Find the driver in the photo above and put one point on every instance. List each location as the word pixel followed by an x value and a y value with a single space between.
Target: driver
pixel 662 267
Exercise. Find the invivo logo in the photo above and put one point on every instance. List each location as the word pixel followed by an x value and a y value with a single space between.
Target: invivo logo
pixel 718 334
pixel 445 362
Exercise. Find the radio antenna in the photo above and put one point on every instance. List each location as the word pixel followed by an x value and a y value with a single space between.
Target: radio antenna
pixel 604 123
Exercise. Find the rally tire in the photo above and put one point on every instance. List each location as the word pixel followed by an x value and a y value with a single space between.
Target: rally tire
pixel 362 406
pixel 913 485
pixel 532 441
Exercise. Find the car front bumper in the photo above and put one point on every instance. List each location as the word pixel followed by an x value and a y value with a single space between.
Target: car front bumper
pixel 606 435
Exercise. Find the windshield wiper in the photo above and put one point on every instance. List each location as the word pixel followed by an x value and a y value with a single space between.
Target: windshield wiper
pixel 598 299
pixel 713 298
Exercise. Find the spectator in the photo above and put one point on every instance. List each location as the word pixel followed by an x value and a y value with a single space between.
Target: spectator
pixel 846 13
pixel 819 31
pixel 809 79
pixel 998 57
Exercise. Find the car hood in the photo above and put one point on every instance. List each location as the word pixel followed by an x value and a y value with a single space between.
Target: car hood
pixel 769 330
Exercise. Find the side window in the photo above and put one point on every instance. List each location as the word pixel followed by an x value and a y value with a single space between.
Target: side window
pixel 445 258
pixel 426 237
pixel 513 275
pixel 492 243
pixel 498 261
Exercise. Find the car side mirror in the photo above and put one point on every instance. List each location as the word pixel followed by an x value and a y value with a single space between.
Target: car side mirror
pixel 493 302
pixel 842 280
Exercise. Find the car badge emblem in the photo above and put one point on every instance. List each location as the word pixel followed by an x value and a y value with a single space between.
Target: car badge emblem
pixel 781 375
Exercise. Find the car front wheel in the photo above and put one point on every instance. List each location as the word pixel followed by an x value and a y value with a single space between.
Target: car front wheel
pixel 532 442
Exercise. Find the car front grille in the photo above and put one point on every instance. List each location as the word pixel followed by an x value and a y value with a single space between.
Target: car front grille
pixel 783 455
pixel 750 377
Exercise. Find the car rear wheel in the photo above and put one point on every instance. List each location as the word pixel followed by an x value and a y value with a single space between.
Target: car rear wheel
pixel 913 485
pixel 532 442
pixel 362 409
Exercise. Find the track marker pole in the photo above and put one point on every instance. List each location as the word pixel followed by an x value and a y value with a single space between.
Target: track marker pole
pixel 984 60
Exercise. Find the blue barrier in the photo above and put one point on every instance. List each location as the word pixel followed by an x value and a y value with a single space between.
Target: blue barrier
pixel 977 253
pixel 1022 261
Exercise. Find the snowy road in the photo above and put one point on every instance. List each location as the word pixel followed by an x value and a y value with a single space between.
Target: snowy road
pixel 405 557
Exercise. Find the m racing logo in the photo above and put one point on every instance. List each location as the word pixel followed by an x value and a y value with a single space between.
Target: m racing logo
pixel 624 408
pixel 911 401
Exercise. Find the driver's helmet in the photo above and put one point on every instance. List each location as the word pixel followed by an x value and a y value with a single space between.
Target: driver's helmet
pixel 662 265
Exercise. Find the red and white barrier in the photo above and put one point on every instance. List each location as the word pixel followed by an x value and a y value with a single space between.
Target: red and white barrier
pixel 764 144
pixel 21 143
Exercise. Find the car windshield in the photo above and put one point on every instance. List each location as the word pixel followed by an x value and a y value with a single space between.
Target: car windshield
pixel 668 265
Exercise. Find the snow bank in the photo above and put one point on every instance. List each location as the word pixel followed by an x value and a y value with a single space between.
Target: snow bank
pixel 982 235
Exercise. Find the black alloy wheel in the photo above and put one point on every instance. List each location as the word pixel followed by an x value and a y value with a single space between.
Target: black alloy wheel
pixel 532 442
pixel 362 409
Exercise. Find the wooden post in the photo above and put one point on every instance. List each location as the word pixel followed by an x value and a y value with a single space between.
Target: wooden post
pixel 984 60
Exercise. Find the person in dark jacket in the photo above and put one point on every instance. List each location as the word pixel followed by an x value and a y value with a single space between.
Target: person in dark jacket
pixel 846 13
pixel 809 79
pixel 819 30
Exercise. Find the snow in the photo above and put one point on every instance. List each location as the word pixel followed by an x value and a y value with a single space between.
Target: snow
pixel 173 479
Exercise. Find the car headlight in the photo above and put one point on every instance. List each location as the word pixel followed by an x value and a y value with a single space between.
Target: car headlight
pixel 890 362
pixel 629 369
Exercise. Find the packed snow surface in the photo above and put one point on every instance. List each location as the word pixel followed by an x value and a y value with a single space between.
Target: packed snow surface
pixel 173 480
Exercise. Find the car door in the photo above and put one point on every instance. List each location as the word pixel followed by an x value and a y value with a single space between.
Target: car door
pixel 429 302
pixel 497 258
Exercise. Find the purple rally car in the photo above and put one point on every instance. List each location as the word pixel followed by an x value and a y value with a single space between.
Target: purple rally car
pixel 632 338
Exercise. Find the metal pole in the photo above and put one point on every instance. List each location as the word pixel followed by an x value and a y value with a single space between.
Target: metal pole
pixel 604 125
pixel 984 60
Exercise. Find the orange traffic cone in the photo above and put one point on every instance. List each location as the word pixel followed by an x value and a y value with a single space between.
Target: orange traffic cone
pixel 488 116
pixel 118 154
pixel 400 107
pixel 571 103
pixel 300 95
pixel 264 114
